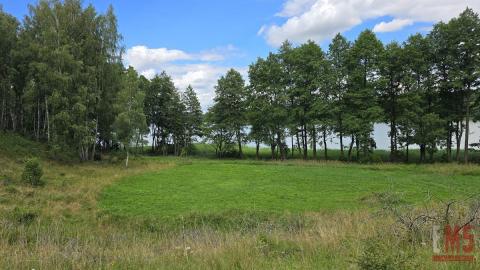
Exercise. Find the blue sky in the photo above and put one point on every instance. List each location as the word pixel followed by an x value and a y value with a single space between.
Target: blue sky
pixel 196 41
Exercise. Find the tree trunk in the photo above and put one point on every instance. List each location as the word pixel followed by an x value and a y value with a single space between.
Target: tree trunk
pixel 153 138
pixel 257 150
pixel 340 127
pixel 272 147
pixel 239 140
pixel 357 147
pixel 458 139
pixel 350 148
pixel 449 141
pixel 95 139
pixel 325 150
pixel 126 161
pixel 2 117
pixel 407 157
pixel 13 116
pixel 280 144
pixel 467 125
pixel 392 140
pixel 292 145
pixel 48 120
pixel 38 120
pixel 422 152
pixel 174 146
pixel 22 127
pixel 164 144
pixel 314 143
pixel 341 146
pixel 305 142
pixel 298 143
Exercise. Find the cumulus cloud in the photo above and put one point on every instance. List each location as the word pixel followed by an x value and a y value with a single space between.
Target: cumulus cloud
pixel 293 8
pixel 201 70
pixel 392 25
pixel 321 19
pixel 142 57
pixel 202 77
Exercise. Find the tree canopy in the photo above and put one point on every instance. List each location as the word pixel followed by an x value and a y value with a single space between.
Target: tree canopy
pixel 63 82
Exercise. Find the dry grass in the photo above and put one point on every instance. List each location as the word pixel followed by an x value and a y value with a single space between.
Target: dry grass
pixel 62 246
pixel 59 226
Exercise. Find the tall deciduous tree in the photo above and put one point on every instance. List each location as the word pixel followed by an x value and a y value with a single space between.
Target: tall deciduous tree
pixel 130 121
pixel 9 100
pixel 193 116
pixel 363 110
pixel 338 57
pixel 229 110
pixel 267 99
pixel 466 42
pixel 306 63
pixel 391 88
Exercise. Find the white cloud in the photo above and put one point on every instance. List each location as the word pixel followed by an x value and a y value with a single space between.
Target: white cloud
pixel 425 29
pixel 201 70
pixel 149 73
pixel 202 77
pixel 321 19
pixel 293 8
pixel 142 57
pixel 261 30
pixel 392 26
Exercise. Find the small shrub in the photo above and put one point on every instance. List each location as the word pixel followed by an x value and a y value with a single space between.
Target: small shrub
pixel 33 172
pixel 377 255
pixel 23 216
pixel 27 218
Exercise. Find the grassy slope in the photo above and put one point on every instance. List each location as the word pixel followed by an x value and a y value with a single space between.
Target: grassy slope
pixel 219 186
pixel 59 226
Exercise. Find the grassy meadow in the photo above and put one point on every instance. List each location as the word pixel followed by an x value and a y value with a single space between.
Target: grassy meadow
pixel 207 187
pixel 203 213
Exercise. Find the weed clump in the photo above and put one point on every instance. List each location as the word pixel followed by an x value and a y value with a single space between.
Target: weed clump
pixel 32 173
pixel 377 254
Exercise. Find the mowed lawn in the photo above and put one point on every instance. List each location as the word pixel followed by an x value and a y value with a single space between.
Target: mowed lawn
pixel 206 186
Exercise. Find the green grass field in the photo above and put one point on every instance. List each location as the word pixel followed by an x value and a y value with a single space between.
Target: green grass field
pixel 205 213
pixel 198 186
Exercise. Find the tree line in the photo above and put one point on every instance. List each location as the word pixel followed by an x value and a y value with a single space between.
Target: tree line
pixel 62 81
pixel 425 89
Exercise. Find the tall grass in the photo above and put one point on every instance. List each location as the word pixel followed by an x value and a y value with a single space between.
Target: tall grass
pixel 59 226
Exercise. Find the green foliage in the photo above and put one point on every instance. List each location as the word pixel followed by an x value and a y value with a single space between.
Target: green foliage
pixel 267 102
pixel 63 82
pixel 193 117
pixel 227 118
pixel 32 173
pixel 172 117
pixel 130 122
pixel 377 255
pixel 16 146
